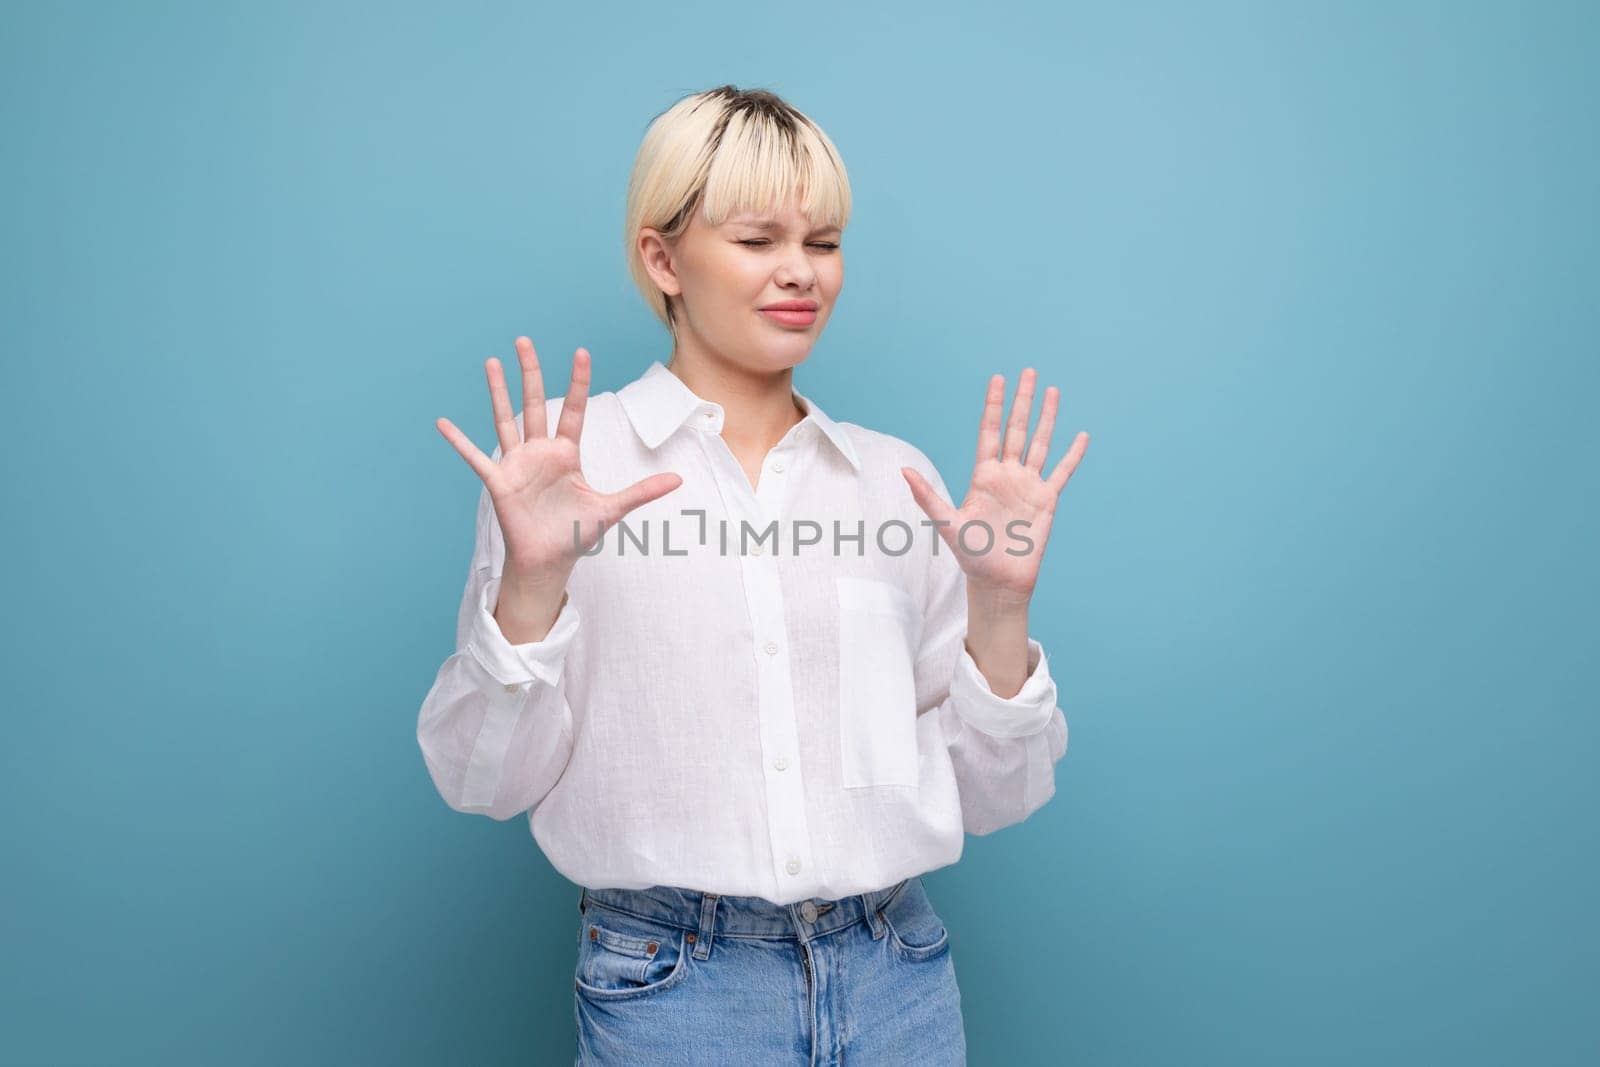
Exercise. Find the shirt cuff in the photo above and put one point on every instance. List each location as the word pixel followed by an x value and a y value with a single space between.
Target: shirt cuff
pixel 513 665
pixel 1026 713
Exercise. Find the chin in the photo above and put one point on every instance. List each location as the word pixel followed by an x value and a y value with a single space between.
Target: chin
pixel 794 343
pixel 783 357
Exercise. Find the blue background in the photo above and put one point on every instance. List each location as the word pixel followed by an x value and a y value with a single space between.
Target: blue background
pixel 1319 279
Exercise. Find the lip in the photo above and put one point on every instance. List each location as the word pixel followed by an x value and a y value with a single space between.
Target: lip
pixel 791 305
pixel 790 318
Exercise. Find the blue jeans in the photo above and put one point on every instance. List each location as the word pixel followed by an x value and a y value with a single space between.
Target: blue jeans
pixel 675 976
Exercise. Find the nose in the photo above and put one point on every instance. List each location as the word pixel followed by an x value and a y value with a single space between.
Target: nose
pixel 796 272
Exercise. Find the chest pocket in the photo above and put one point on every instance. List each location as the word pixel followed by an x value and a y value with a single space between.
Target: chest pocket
pixel 880 629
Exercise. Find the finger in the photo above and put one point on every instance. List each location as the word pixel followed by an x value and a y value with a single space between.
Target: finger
pixel 1021 412
pixel 505 420
pixel 1041 436
pixel 1069 463
pixel 989 425
pixel 533 421
pixel 641 492
pixel 570 424
pixel 929 500
pixel 482 464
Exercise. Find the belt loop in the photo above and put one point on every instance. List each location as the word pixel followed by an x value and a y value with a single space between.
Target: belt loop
pixel 708 913
pixel 583 901
pixel 874 916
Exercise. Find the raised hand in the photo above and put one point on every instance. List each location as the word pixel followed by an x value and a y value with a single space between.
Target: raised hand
pixel 1006 486
pixel 538 487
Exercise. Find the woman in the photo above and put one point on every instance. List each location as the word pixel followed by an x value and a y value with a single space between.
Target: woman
pixel 748 668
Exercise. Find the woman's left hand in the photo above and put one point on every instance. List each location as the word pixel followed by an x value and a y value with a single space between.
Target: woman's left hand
pixel 1006 488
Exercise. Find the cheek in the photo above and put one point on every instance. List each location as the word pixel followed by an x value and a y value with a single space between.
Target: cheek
pixel 831 276
pixel 740 280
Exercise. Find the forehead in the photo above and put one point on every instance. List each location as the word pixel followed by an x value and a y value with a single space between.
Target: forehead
pixel 772 222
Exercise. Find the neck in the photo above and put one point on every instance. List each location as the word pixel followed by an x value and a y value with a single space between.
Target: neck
pixel 758 407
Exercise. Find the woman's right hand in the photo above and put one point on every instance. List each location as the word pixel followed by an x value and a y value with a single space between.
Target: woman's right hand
pixel 538 487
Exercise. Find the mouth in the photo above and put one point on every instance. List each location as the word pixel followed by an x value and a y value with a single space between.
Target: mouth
pixel 792 312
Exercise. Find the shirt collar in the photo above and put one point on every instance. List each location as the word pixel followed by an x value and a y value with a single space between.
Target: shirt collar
pixel 658 403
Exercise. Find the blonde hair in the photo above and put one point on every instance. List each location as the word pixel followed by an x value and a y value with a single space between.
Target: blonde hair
pixel 726 151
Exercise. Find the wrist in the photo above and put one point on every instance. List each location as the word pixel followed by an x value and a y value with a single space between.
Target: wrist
pixel 525 610
pixel 997 602
pixel 534 578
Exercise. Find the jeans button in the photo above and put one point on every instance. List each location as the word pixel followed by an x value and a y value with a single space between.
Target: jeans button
pixel 808 912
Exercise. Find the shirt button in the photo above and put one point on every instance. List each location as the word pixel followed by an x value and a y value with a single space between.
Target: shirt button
pixel 793 866
pixel 778 467
pixel 782 763
pixel 771 648
pixel 513 687
pixel 808 912
pixel 755 550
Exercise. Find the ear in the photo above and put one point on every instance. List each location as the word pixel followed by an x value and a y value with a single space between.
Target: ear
pixel 656 253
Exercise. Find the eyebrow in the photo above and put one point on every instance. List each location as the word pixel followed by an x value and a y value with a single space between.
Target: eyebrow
pixel 770 225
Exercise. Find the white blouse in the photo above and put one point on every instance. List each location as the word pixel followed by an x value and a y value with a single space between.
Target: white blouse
pixel 751 691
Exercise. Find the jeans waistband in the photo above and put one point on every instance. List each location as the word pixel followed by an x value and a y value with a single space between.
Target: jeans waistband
pixel 710 914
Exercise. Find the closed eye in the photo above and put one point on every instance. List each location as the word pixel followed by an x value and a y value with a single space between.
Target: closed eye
pixel 757 242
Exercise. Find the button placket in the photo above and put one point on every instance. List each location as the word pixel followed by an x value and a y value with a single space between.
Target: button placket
pixel 772 489
pixel 788 832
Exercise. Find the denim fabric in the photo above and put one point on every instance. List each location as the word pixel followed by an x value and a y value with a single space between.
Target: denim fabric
pixel 674 976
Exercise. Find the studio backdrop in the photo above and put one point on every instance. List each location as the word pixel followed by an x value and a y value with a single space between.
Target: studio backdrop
pixel 1319 279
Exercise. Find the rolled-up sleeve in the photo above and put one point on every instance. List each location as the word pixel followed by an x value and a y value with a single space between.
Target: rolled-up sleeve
pixel 1026 713
pixel 1003 749
pixel 495 728
pixel 537 661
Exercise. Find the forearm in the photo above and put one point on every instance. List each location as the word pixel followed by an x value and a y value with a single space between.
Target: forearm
pixel 529 604
pixel 997 639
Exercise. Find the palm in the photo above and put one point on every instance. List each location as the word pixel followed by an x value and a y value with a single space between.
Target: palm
pixel 537 485
pixel 1009 504
pixel 540 493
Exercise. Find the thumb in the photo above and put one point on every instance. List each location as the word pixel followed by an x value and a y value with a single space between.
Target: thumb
pixel 928 498
pixel 641 492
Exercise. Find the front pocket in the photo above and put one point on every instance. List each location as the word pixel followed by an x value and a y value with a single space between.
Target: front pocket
pixel 916 931
pixel 879 630
pixel 919 950
pixel 621 957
